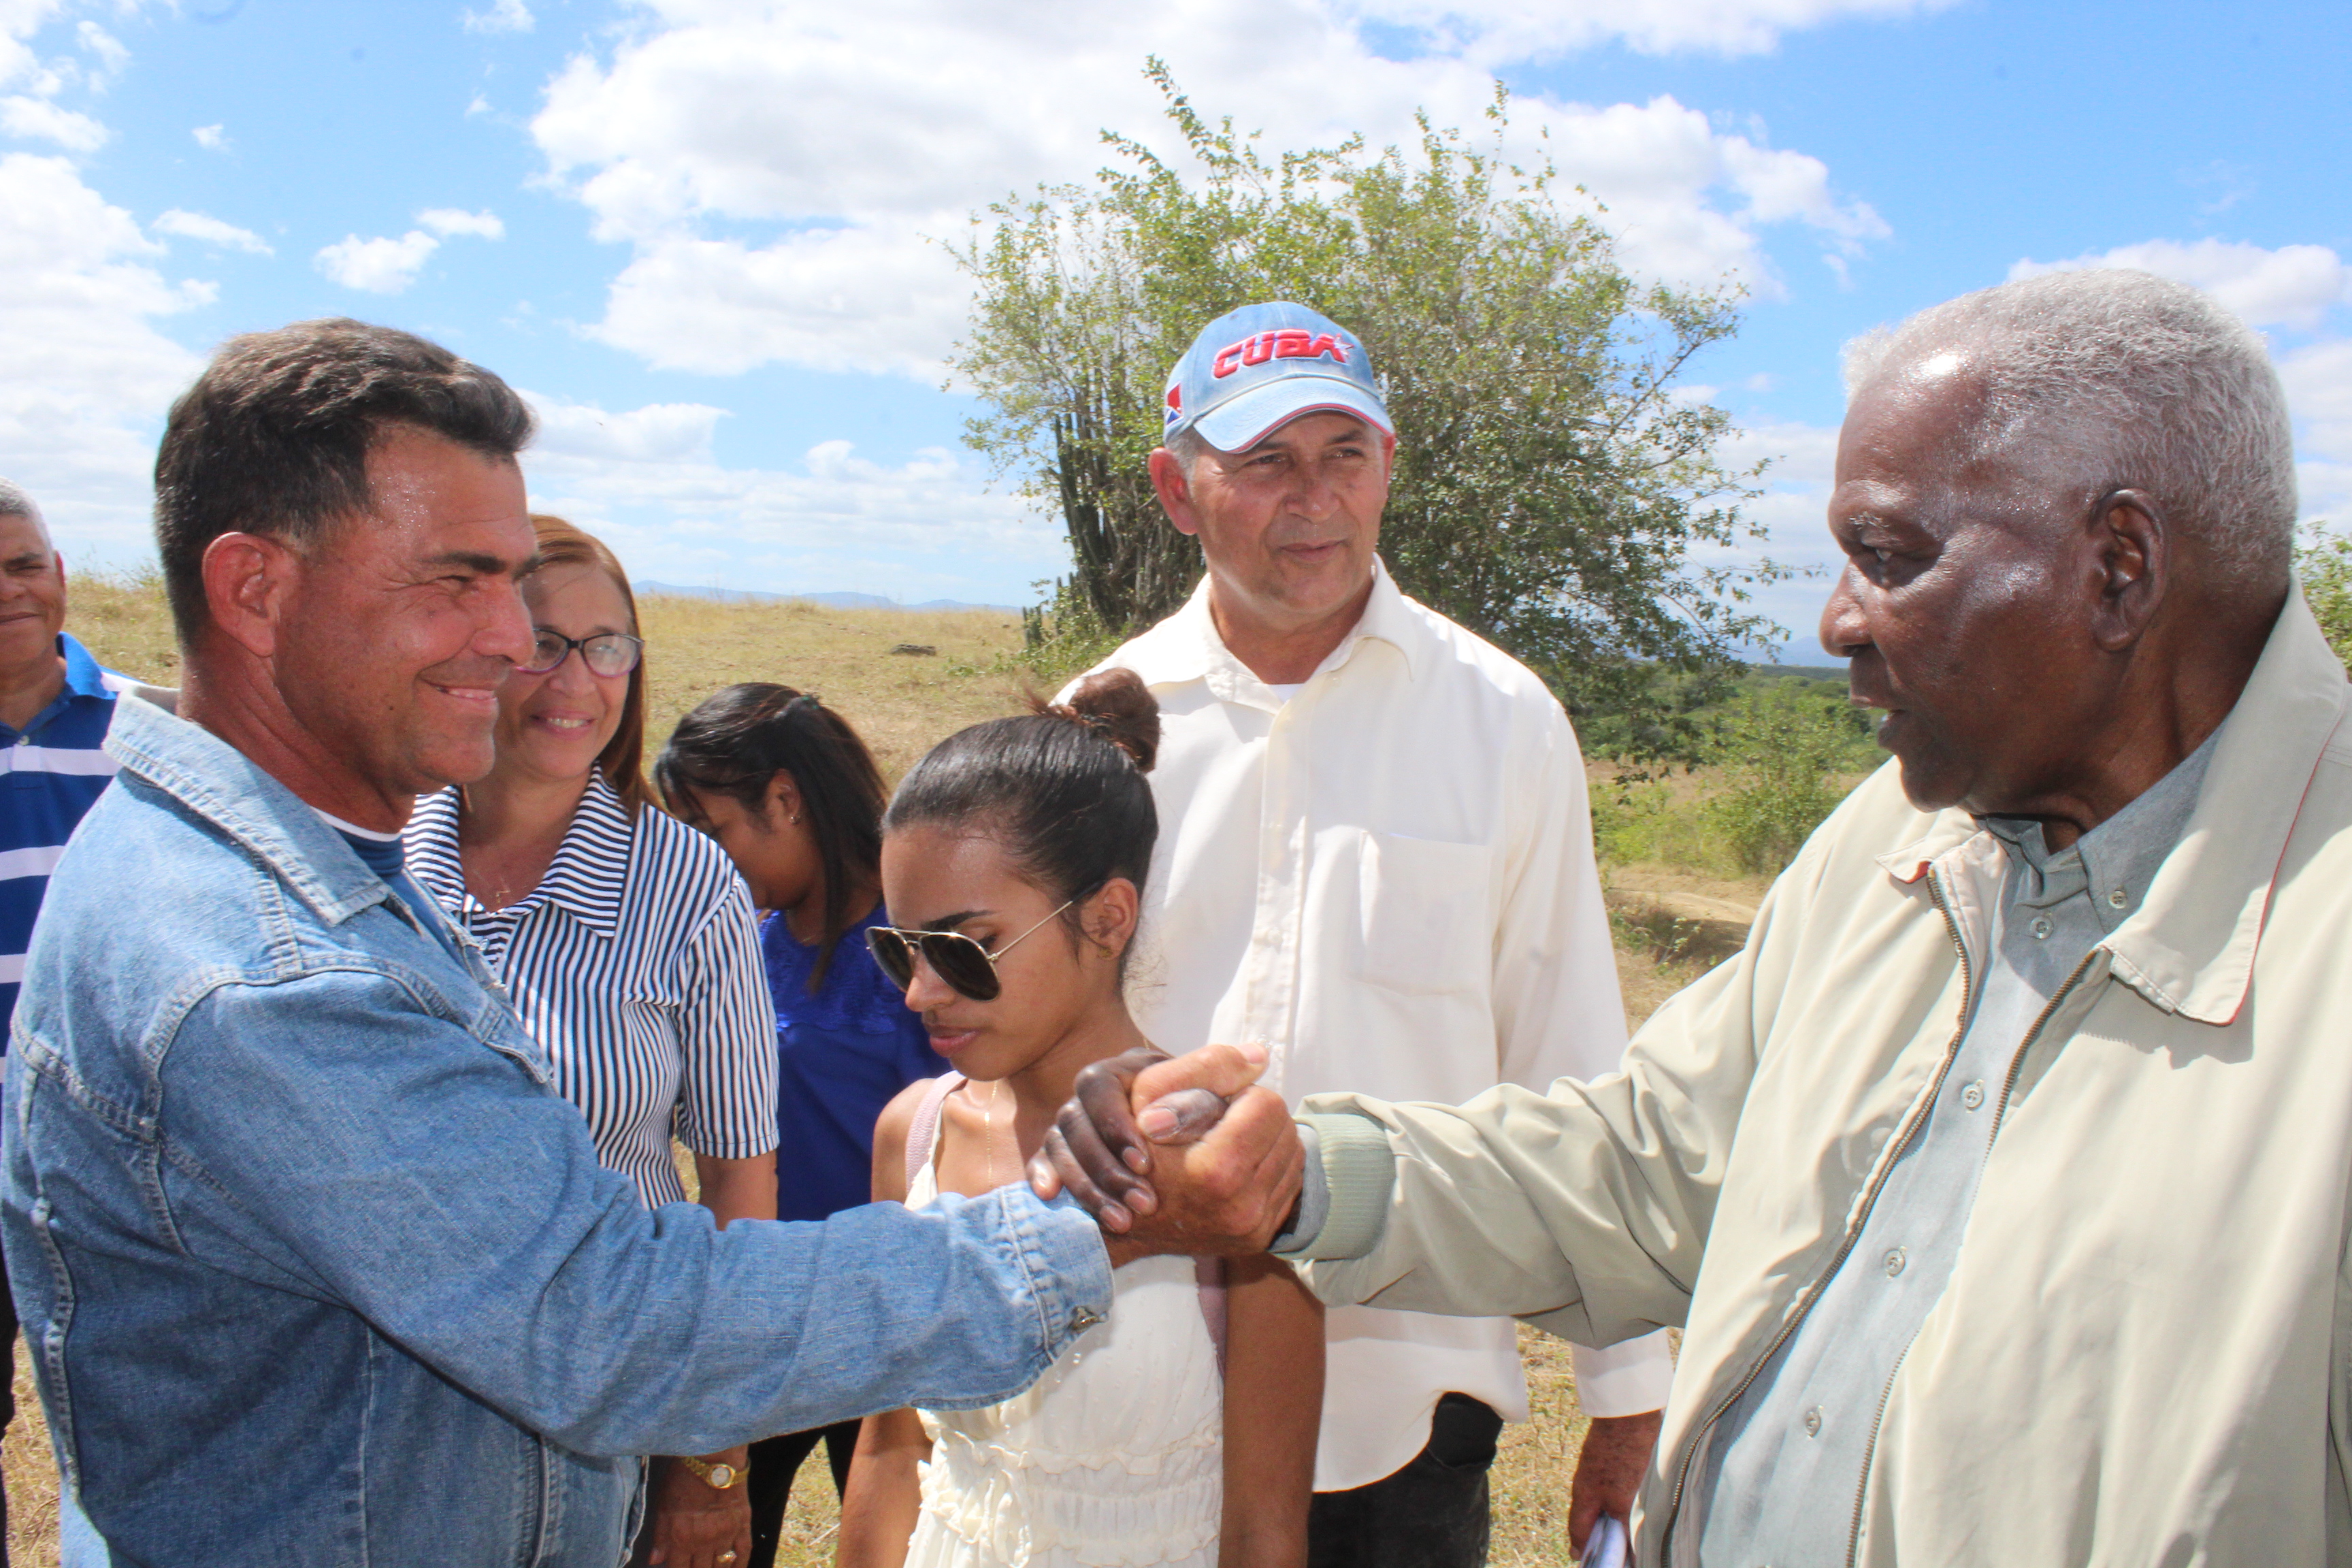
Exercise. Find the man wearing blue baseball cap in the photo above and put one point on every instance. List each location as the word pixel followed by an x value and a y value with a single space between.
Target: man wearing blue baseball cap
pixel 1376 860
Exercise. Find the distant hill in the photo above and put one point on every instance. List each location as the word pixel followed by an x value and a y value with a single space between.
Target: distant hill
pixel 831 601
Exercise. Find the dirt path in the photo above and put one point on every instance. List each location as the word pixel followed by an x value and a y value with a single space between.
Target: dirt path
pixel 1693 897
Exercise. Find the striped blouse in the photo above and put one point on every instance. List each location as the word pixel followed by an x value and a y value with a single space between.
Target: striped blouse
pixel 636 966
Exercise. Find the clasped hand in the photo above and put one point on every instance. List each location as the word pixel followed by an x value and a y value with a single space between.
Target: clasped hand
pixel 1176 1154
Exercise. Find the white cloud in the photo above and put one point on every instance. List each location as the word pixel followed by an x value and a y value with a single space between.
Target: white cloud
pixel 657 433
pixel 2293 286
pixel 111 54
pixel 849 298
pixel 2319 388
pixel 38 118
pixel 379 266
pixel 646 481
pixel 448 221
pixel 503 16
pixel 90 375
pixel 211 138
pixel 854 133
pixel 209 231
pixel 388 265
pixel 1497 31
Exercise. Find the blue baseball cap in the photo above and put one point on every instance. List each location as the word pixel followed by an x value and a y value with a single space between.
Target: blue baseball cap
pixel 1255 369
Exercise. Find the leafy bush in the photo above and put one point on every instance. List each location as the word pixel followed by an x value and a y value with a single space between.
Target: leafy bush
pixel 1789 752
pixel 1062 636
pixel 2327 570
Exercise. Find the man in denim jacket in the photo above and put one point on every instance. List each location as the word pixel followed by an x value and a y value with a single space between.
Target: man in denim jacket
pixel 315 1268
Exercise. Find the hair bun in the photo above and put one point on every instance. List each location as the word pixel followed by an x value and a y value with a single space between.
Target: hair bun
pixel 1118 706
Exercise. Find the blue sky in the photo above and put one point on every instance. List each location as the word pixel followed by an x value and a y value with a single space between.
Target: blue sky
pixel 698 233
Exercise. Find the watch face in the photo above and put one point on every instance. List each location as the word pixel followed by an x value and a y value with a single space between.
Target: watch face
pixel 722 1475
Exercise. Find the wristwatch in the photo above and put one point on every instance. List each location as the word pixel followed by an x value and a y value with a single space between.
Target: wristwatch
pixel 721 1475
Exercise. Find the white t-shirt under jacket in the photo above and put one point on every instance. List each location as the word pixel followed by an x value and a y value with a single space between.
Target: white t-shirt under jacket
pixel 1386 878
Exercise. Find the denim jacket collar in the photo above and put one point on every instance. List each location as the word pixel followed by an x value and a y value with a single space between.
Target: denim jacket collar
pixel 221 785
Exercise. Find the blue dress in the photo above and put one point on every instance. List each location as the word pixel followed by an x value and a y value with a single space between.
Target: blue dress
pixel 842 1054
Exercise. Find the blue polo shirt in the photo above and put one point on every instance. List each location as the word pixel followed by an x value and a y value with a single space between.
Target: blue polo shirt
pixel 51 772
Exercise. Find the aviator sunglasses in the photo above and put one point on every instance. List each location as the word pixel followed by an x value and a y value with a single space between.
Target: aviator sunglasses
pixel 968 968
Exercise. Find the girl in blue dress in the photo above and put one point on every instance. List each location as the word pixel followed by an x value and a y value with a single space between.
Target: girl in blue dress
pixel 791 793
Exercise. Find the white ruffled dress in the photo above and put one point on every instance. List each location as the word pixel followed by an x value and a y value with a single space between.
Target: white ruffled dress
pixel 1113 1459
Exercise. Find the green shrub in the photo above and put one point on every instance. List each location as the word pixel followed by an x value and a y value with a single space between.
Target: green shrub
pixel 2326 567
pixel 1638 819
pixel 1789 754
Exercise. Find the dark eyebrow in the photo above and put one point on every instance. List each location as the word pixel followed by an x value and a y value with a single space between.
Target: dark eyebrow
pixel 947 923
pixel 486 564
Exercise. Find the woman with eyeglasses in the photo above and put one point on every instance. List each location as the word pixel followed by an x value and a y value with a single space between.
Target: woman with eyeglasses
pixel 791 793
pixel 628 943
pixel 1181 1430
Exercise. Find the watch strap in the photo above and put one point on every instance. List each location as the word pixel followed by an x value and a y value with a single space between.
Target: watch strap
pixel 709 1473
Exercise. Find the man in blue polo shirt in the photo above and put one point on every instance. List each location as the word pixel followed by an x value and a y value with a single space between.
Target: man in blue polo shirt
pixel 55 706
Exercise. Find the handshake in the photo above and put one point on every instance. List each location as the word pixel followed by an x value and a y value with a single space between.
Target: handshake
pixel 1176 1154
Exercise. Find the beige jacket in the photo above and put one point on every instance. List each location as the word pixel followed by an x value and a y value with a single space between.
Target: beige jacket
pixel 2145 1355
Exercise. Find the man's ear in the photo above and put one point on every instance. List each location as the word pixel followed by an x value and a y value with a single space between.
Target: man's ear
pixel 2132 562
pixel 1175 490
pixel 249 580
pixel 1109 917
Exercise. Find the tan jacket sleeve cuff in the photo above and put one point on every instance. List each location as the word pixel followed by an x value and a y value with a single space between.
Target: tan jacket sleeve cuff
pixel 1358 1173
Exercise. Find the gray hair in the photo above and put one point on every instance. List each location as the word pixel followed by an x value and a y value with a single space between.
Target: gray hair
pixel 16 501
pixel 1187 448
pixel 2154 385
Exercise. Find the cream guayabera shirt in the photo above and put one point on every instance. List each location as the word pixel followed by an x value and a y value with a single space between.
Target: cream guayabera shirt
pixel 1386 878
pixel 2143 1350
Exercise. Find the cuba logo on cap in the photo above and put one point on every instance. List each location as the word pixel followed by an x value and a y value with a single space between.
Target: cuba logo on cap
pixel 1284 343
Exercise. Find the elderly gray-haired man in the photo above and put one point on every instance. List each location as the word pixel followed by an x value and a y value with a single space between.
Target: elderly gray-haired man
pixel 2002 1183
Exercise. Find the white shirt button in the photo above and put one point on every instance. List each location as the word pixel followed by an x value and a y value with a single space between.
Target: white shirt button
pixel 2118 899
pixel 1813 1422
pixel 1972 1094
pixel 2041 927
pixel 1895 1262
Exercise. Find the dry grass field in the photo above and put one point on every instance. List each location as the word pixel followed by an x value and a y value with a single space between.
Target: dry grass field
pixel 902 703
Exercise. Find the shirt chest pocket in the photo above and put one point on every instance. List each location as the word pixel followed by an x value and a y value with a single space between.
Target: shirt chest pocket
pixel 1423 907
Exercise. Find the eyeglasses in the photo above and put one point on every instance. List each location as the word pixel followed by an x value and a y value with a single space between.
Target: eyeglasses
pixel 607 654
pixel 968 968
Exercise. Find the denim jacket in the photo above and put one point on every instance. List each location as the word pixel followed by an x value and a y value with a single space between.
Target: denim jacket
pixel 316 1270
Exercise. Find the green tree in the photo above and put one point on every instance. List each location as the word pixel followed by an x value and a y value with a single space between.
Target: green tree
pixel 1552 486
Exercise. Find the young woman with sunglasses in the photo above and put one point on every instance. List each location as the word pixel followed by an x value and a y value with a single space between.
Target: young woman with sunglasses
pixel 628 943
pixel 1012 858
pixel 791 793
